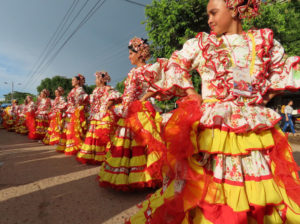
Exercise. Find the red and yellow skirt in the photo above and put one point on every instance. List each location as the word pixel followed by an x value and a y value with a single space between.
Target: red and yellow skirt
pixel 30 124
pixel 53 134
pixel 21 126
pixel 134 157
pixel 42 124
pixel 73 132
pixel 61 146
pixel 10 123
pixel 93 149
pixel 229 178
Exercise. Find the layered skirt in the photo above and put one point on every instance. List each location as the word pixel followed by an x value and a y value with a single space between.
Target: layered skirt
pixel 21 126
pixel 73 132
pixel 218 176
pixel 42 124
pixel 94 148
pixel 134 158
pixel 53 134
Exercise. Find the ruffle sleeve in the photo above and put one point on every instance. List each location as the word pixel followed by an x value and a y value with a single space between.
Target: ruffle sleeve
pixel 113 95
pixel 284 72
pixel 171 77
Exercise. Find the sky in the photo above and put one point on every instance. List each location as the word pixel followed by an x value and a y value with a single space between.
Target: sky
pixel 99 44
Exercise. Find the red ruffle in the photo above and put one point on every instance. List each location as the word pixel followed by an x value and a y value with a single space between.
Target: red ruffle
pixel 88 161
pixel 30 123
pixel 75 125
pixel 131 187
pixel 103 134
pixel 177 134
pixel 144 137
pixel 285 166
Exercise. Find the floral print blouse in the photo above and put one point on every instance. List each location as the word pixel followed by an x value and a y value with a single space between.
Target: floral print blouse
pixel 76 97
pixel 30 107
pixel 44 105
pixel 57 105
pixel 135 87
pixel 236 72
pixel 99 100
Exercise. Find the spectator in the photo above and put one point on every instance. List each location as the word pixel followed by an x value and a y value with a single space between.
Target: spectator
pixel 288 117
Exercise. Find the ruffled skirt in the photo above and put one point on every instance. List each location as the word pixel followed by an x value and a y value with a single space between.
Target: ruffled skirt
pixel 73 132
pixel 53 134
pixel 42 124
pixel 132 161
pixel 93 149
pixel 61 146
pixel 228 178
pixel 21 126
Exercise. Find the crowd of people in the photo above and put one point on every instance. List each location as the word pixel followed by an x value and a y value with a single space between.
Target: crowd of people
pixel 220 157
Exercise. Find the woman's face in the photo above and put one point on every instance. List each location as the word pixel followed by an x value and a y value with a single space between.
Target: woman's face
pixel 220 18
pixel 43 95
pixel 98 80
pixel 75 82
pixel 57 94
pixel 133 57
pixel 28 99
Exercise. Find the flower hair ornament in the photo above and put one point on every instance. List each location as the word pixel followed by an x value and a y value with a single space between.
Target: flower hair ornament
pixel 140 46
pixel 46 92
pixel 60 90
pixel 244 8
pixel 81 79
pixel 103 75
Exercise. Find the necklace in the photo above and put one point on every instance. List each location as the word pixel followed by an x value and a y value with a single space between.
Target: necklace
pixel 236 62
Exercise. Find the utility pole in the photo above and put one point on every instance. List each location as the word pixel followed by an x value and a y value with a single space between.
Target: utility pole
pixel 12 89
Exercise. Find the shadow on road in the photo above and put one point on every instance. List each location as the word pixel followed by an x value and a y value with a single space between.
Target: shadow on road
pixel 76 202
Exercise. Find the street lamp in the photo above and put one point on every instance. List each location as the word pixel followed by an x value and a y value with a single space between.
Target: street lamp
pixel 12 88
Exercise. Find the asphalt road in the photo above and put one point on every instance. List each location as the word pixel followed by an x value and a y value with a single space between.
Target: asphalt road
pixel 41 186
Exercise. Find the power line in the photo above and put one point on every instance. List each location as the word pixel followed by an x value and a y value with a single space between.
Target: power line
pixel 92 11
pixel 135 3
pixel 43 54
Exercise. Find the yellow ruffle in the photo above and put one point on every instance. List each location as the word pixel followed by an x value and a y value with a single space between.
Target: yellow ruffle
pixel 229 143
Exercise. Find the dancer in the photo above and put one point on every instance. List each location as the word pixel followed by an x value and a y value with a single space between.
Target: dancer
pixel 74 122
pixel 133 162
pixel 101 121
pixel 30 108
pixel 12 116
pixel 228 160
pixel 41 114
pixel 21 121
pixel 58 107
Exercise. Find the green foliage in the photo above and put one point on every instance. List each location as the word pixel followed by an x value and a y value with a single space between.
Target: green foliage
pixel 52 83
pixel 283 18
pixel 120 86
pixel 20 96
pixel 171 22
pixel 89 89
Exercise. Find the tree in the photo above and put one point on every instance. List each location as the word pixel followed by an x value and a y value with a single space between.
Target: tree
pixel 171 22
pixel 120 86
pixel 283 18
pixel 20 96
pixel 89 89
pixel 52 83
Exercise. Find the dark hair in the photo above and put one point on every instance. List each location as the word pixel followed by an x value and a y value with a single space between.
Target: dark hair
pixel 130 47
pixel 77 77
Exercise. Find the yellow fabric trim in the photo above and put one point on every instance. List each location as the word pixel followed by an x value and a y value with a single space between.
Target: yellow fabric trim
pixel 211 100
pixel 218 141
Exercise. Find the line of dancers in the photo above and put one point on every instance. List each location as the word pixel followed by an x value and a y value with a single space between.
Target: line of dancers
pixel 220 157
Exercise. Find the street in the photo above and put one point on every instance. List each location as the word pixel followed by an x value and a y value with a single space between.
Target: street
pixel 40 186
